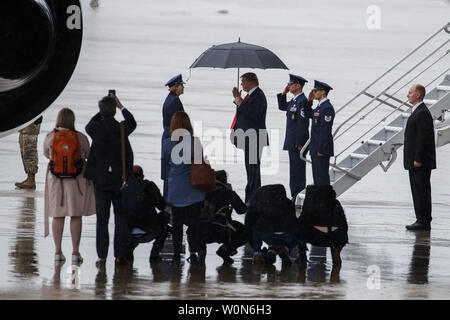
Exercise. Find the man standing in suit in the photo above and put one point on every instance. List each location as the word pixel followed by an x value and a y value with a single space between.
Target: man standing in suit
pixel 321 145
pixel 297 132
pixel 248 130
pixel 171 105
pixel 104 168
pixel 419 157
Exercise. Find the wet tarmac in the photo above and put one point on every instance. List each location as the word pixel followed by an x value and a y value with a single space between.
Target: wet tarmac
pixel 382 261
pixel 134 47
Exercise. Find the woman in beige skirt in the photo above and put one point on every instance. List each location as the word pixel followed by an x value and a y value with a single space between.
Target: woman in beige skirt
pixel 67 197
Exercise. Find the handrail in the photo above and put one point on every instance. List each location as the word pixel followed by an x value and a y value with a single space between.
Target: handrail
pixel 384 119
pixel 446 28
pixel 398 90
pixel 384 92
pixel 303 157
pixel 389 87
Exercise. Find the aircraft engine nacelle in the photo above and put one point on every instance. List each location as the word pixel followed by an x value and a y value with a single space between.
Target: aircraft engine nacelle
pixel 40 42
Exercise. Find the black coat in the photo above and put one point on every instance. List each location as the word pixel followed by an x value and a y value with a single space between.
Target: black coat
pixel 271 211
pixel 106 149
pixel 419 139
pixel 251 114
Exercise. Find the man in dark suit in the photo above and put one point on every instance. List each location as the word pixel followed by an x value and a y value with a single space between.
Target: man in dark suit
pixel 104 168
pixel 297 133
pixel 248 130
pixel 419 157
pixel 171 105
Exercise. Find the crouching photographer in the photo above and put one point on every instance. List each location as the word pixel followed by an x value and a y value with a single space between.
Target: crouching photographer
pixel 216 224
pixel 322 223
pixel 140 198
pixel 271 218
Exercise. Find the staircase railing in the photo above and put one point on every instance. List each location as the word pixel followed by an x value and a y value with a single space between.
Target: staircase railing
pixel 387 99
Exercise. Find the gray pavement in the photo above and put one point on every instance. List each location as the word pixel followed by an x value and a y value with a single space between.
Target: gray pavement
pixel 135 47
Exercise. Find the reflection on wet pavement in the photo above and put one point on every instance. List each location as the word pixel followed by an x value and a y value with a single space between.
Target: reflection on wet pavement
pixel 408 268
pixel 23 254
pixel 420 259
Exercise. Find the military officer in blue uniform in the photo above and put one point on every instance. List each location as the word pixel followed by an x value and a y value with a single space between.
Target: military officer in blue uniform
pixel 297 131
pixel 321 145
pixel 171 105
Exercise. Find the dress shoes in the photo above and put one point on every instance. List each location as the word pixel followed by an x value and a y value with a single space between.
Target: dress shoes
pixel 417 226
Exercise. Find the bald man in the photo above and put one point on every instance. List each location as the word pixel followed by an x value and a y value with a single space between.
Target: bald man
pixel 419 157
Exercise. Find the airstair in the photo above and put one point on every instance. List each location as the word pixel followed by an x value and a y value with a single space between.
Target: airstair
pixel 377 144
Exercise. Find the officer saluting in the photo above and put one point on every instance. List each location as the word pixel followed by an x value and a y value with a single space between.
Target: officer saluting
pixel 297 133
pixel 321 145
pixel 171 105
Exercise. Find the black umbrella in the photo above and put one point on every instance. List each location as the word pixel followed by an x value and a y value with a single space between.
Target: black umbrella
pixel 238 55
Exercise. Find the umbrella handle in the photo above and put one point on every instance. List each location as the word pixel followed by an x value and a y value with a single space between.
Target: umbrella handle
pixel 238 81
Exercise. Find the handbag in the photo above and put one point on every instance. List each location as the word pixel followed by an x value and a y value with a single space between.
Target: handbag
pixel 202 175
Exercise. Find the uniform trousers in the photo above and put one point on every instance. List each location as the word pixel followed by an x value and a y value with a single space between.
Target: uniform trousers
pixel 320 167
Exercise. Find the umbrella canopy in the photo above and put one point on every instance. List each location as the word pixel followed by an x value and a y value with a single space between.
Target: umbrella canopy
pixel 238 55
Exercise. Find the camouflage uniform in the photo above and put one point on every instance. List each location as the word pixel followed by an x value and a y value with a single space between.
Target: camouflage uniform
pixel 28 146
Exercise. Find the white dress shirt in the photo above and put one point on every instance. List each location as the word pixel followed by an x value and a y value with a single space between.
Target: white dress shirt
pixel 415 106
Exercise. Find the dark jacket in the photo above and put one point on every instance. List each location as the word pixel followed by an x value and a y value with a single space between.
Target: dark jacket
pixel 139 199
pixel 172 104
pixel 419 139
pixel 271 211
pixel 321 128
pixel 297 123
pixel 104 165
pixel 224 197
pixel 251 114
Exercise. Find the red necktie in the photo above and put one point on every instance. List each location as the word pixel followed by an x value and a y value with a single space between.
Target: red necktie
pixel 235 116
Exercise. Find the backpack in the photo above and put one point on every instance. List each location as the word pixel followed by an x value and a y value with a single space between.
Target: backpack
pixel 276 211
pixel 66 160
pixel 209 212
pixel 321 208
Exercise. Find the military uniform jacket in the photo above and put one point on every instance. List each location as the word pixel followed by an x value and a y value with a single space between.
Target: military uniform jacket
pixel 297 123
pixel 419 139
pixel 172 104
pixel 321 128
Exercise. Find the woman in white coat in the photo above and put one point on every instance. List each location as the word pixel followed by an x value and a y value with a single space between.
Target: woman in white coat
pixel 67 197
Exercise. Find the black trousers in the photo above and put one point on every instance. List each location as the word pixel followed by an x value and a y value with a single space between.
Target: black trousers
pixel 231 239
pixel 104 197
pixel 158 233
pixel 253 169
pixel 419 179
pixel 189 216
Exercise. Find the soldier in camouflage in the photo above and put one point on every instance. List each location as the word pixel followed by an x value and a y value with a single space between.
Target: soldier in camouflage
pixel 28 149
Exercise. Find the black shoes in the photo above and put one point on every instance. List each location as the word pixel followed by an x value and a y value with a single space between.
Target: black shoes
pixel 223 253
pixel 417 226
